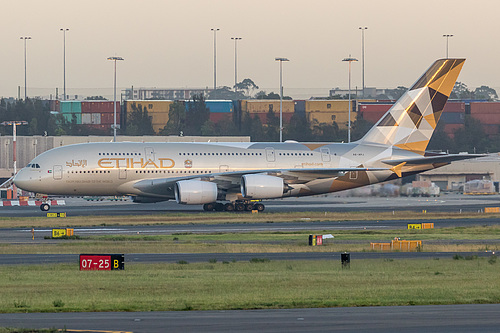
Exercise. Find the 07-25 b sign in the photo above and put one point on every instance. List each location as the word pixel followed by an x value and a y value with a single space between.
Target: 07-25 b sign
pixel 102 262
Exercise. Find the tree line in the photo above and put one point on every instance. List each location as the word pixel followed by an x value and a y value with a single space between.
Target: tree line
pixel 195 120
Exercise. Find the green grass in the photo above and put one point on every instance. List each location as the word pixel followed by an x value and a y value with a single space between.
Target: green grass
pixel 249 285
pixel 258 242
pixel 225 217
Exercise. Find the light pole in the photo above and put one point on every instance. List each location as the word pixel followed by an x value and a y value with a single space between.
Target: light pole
pixel 114 121
pixel 447 40
pixel 215 56
pixel 349 60
pixel 281 95
pixel 236 39
pixel 363 57
pixel 14 147
pixel 64 59
pixel 25 75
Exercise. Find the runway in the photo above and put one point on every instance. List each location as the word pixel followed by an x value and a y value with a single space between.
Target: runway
pixel 445 318
pixel 24 235
pixel 409 319
pixel 330 203
pixel 41 259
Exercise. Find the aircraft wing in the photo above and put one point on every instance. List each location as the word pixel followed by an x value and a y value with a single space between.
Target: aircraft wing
pixel 448 158
pixel 231 179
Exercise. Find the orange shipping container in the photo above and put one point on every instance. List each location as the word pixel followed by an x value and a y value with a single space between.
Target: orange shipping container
pixel 487 118
pixel 266 105
pixel 263 117
pixel 485 107
pixel 329 105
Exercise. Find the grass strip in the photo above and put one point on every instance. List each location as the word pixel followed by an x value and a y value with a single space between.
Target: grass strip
pixel 260 242
pixel 225 217
pixel 259 284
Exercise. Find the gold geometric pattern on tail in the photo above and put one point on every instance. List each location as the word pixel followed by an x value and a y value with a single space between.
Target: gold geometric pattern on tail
pixel 410 122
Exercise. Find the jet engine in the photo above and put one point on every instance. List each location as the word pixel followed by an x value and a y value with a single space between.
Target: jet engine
pixel 195 192
pixel 262 187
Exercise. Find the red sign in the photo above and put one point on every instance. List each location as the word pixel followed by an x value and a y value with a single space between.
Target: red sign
pixel 101 262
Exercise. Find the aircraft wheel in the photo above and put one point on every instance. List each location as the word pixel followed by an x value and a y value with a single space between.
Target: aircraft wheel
pixel 239 207
pixel 229 207
pixel 260 207
pixel 44 207
pixel 208 207
pixel 249 207
pixel 219 207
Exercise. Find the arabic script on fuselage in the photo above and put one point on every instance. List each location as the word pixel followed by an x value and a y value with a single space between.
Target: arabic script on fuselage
pixel 77 164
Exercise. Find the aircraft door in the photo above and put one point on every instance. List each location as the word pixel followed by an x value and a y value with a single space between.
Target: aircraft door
pixel 270 155
pixel 224 168
pixel 353 174
pixel 57 172
pixel 122 173
pixel 325 154
pixel 149 154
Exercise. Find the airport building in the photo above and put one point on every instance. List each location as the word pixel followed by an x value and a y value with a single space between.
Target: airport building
pixel 28 147
pixel 455 175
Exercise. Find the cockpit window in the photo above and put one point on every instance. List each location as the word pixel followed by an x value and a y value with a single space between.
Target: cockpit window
pixel 34 166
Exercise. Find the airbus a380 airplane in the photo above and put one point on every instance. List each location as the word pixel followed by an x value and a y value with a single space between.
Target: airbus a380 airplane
pixel 232 176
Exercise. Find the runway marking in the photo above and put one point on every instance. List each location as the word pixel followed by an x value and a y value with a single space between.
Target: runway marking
pixel 212 230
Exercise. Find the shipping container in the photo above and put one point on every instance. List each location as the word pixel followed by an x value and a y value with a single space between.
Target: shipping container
pixel 152 106
pixel 91 118
pixel 263 116
pixel 108 118
pixel 54 105
pixel 341 118
pixel 220 116
pixel 300 107
pixel 456 107
pixel 452 118
pixel 223 106
pixel 377 108
pixel 99 106
pixel 265 105
pixel 329 105
pixel 71 107
pixel 159 117
pixel 73 117
pixel 373 117
pixel 450 129
pixel 487 118
pixel 485 108
pixel 491 129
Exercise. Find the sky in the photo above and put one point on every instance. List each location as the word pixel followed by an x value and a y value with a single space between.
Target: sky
pixel 169 44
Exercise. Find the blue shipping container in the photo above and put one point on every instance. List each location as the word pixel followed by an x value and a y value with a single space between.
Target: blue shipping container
pixel 220 106
pixel 452 118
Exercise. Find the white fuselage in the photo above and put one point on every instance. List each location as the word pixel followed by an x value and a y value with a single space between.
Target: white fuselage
pixel 115 168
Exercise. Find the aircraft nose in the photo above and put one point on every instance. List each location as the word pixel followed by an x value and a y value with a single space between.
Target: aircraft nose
pixel 22 180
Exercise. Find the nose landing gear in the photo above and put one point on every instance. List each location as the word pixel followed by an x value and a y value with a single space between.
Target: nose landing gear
pixel 44 207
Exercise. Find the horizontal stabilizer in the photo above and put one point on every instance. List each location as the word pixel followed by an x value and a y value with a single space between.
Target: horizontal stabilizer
pixel 433 159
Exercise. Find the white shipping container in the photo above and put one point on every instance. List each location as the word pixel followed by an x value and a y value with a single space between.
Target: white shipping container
pixel 86 118
pixel 96 118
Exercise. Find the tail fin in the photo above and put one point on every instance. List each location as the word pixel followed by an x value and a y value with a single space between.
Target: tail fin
pixel 410 122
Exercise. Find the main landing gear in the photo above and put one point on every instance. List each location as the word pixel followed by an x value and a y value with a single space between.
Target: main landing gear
pixel 238 206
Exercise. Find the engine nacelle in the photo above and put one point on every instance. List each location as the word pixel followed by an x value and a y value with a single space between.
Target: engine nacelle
pixel 262 187
pixel 195 192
